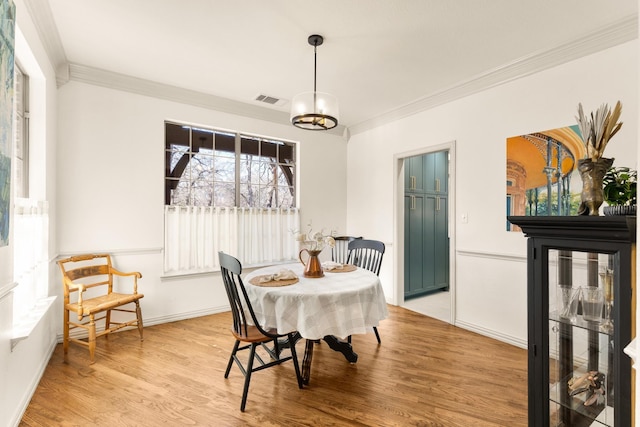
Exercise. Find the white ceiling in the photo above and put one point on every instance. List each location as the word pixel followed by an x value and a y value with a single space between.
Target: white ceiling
pixel 379 56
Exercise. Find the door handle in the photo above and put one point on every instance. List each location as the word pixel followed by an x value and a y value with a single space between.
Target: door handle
pixel 437 185
pixel 413 182
pixel 438 204
pixel 413 203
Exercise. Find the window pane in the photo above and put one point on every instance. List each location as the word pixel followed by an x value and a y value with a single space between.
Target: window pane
pixel 225 169
pixel 175 136
pixel 268 149
pixel 202 141
pixel 249 195
pixel 179 193
pixel 248 147
pixel 224 195
pixel 225 145
pixel 177 161
pixel 202 193
pixel 267 172
pixel 285 197
pixel 286 153
pixel 285 175
pixel 250 172
pixel 201 167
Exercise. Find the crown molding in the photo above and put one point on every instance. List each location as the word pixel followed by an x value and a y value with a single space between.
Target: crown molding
pixel 109 79
pixel 612 35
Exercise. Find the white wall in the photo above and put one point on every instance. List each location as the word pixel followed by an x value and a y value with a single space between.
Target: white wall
pixel 22 366
pixel 490 271
pixel 111 187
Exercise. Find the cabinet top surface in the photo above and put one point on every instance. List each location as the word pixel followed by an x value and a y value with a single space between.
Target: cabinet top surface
pixel 604 228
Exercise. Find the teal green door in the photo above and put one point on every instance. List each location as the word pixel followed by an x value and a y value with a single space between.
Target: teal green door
pixel 426 251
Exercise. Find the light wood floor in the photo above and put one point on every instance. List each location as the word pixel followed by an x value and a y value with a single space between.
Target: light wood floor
pixel 425 373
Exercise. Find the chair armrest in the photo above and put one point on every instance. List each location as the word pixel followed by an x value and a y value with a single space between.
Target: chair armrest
pixel 80 288
pixel 77 287
pixel 136 275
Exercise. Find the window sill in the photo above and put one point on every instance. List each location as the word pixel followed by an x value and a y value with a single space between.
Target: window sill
pixel 181 274
pixel 27 323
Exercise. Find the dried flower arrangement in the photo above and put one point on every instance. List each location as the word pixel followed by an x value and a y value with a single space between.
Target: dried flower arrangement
pixel 598 129
pixel 315 241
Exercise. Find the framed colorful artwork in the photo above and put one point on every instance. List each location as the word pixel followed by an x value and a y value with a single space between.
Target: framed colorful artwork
pixel 7 46
pixel 542 173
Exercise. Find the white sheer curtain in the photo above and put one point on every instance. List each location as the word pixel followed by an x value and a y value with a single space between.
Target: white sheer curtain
pixel 193 235
pixel 30 241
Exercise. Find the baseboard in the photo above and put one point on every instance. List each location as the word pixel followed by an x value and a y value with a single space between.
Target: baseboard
pixel 80 333
pixel 490 333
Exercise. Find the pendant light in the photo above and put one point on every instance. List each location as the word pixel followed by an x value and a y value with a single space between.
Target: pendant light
pixel 314 110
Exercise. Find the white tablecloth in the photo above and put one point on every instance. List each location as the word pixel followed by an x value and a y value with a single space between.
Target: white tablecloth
pixel 339 304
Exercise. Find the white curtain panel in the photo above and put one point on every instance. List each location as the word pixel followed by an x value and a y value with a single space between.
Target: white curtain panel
pixel 31 242
pixel 194 235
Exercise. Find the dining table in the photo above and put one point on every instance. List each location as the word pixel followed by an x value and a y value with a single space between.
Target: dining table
pixel 347 300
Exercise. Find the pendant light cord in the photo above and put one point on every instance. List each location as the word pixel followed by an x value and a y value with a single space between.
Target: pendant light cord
pixel 315 67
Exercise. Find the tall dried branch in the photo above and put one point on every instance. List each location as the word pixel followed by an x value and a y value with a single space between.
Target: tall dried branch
pixel 598 129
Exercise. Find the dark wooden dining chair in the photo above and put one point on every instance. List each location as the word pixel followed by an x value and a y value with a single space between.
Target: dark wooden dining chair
pixel 366 254
pixel 340 252
pixel 248 330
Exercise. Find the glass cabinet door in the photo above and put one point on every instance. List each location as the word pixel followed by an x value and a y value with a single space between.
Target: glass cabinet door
pixel 580 317
pixel 581 338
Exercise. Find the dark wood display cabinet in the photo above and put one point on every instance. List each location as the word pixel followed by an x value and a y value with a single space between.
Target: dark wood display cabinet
pixel 581 305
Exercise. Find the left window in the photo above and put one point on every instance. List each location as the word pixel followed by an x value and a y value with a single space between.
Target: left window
pixel 21 136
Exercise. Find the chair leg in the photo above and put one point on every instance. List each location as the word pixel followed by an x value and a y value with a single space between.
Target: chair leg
pixel 107 322
pixel 375 329
pixel 233 353
pixel 247 377
pixel 92 339
pixel 65 339
pixel 295 360
pixel 139 316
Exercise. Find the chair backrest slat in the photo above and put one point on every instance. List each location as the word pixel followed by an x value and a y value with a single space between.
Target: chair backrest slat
pixel 91 270
pixel 366 254
pixel 340 252
pixel 241 307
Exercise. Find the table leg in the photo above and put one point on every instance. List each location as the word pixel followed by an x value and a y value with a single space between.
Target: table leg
pixel 343 347
pixel 306 361
pixel 284 343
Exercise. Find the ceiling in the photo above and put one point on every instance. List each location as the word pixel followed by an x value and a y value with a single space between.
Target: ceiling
pixel 380 57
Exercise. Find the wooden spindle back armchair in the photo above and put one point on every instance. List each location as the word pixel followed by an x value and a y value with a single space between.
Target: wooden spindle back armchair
pixel 88 284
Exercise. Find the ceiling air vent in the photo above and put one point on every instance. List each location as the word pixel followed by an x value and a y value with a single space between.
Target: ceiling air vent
pixel 270 100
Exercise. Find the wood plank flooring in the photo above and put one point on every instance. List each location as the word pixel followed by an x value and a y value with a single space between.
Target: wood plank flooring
pixel 425 373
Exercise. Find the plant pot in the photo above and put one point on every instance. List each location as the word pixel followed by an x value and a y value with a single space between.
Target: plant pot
pixel 619 210
pixel 592 194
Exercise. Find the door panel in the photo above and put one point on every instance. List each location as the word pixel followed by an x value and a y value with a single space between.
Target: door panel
pixel 426 262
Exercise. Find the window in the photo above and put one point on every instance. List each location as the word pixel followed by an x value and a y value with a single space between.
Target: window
pixel 206 167
pixel 21 135
pixel 227 191
pixel 30 224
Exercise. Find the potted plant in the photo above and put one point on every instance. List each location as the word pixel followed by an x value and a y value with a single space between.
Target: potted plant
pixel 619 186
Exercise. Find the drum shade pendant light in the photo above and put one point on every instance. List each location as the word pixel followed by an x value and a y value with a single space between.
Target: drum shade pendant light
pixel 314 110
